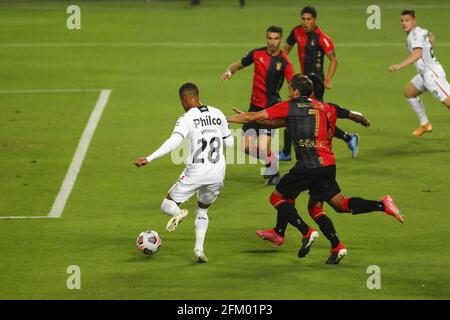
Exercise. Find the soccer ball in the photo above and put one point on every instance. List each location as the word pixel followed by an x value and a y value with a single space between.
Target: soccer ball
pixel 148 242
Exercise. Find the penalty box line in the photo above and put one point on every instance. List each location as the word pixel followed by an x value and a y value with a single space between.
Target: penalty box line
pixel 72 173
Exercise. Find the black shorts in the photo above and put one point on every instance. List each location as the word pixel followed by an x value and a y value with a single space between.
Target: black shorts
pixel 256 129
pixel 321 183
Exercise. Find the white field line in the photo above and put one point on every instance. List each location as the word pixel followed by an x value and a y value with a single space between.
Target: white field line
pixel 78 90
pixel 27 217
pixel 192 44
pixel 80 153
pixel 74 168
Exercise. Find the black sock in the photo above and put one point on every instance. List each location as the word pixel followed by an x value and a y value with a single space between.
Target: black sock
pixel 327 228
pixel 340 134
pixel 288 214
pixel 287 142
pixel 359 205
pixel 282 222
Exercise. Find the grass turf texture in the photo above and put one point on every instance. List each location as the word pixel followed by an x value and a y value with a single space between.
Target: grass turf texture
pixel 112 201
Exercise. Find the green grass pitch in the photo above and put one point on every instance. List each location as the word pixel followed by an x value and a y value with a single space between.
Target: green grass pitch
pixel 144 51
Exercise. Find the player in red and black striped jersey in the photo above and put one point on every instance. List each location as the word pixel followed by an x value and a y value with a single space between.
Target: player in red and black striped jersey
pixel 311 124
pixel 312 46
pixel 271 68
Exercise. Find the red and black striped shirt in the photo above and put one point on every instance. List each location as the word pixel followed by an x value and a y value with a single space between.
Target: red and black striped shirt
pixel 270 72
pixel 311 46
pixel 311 124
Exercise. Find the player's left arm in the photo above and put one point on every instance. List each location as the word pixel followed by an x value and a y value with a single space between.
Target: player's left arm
pixel 413 57
pixel 331 69
pixel 328 48
pixel 355 116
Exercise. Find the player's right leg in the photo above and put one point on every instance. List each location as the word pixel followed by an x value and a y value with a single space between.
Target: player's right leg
pixel 206 195
pixel 337 251
pixel 356 205
pixel 435 81
pixel 283 200
pixel 180 192
pixel 412 92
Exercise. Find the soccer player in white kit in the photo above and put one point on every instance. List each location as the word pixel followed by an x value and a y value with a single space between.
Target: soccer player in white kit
pixel 431 76
pixel 207 129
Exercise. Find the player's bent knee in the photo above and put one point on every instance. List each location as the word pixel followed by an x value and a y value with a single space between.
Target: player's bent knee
pixel 276 199
pixel 206 199
pixel 316 212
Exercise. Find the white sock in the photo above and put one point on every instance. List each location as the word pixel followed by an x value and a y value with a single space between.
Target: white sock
pixel 419 108
pixel 201 225
pixel 170 207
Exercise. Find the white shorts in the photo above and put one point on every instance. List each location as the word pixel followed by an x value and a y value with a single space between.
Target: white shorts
pixel 433 80
pixel 185 187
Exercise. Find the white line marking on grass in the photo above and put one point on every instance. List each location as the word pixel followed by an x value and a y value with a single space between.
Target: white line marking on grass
pixel 80 90
pixel 83 145
pixel 27 217
pixel 80 153
pixel 192 44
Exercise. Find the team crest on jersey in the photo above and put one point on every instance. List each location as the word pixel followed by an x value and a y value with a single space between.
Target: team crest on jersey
pixel 261 59
pixel 278 66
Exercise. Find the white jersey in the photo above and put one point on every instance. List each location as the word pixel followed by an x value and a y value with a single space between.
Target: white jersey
pixel 206 128
pixel 418 38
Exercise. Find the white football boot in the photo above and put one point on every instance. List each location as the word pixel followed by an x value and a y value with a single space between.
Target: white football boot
pixel 176 220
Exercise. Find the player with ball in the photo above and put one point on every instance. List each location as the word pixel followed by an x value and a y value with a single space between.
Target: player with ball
pixel 208 132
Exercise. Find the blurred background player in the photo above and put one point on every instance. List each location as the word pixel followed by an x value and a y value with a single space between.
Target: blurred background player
pixel 207 130
pixel 311 123
pixel 430 77
pixel 312 45
pixel 271 68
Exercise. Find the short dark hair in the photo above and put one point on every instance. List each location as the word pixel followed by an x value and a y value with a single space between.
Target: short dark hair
pixel 408 12
pixel 189 87
pixel 309 9
pixel 302 83
pixel 275 29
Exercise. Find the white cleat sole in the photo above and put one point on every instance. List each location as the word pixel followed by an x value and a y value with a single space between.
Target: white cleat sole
pixel 341 254
pixel 314 236
pixel 201 258
pixel 176 220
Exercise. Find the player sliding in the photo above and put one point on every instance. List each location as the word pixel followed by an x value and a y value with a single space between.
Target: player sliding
pixel 311 124
pixel 207 129
pixel 271 68
pixel 431 76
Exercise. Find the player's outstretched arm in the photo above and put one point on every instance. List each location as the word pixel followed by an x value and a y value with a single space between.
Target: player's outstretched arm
pixel 413 57
pixel 272 124
pixel 168 146
pixel 355 116
pixel 359 118
pixel 232 69
pixel 246 117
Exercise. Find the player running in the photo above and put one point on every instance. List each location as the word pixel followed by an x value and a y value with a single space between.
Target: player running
pixel 311 124
pixel 207 130
pixel 312 45
pixel 271 68
pixel 430 77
